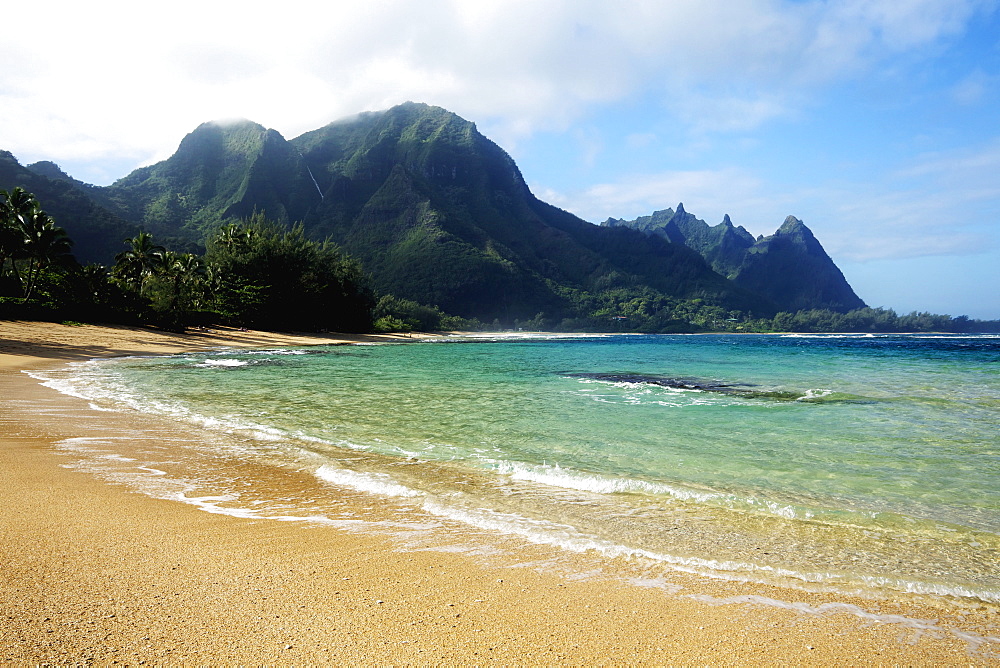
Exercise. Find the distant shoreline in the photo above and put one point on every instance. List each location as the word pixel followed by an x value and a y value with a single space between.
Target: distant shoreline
pixel 96 572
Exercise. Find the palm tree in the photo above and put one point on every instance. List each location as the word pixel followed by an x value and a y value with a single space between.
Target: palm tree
pixel 15 208
pixel 141 260
pixel 93 283
pixel 235 237
pixel 28 233
pixel 188 275
pixel 16 204
pixel 45 244
pixel 11 241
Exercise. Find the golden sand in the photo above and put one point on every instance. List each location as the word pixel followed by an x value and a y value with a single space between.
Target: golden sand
pixel 92 572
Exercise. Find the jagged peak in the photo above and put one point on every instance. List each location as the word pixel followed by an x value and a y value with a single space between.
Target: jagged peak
pixel 683 216
pixel 795 228
pixel 731 231
pixel 791 222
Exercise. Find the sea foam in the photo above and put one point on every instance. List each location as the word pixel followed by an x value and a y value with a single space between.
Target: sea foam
pixel 223 363
pixel 372 483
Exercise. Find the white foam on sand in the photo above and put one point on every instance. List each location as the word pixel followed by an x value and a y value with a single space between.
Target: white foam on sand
pixel 372 483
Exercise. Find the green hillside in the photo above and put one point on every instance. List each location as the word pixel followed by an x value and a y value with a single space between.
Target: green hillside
pixel 439 214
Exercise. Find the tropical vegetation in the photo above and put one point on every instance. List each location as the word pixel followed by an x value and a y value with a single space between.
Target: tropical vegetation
pixel 30 241
pixel 260 273
pixel 255 273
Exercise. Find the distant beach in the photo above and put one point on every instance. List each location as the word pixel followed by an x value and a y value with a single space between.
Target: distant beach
pixel 95 572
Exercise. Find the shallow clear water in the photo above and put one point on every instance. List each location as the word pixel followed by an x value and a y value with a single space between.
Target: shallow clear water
pixel 835 461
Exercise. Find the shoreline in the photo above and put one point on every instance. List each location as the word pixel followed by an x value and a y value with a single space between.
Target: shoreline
pixel 97 572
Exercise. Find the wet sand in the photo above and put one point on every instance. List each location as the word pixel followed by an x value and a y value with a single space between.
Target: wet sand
pixel 95 572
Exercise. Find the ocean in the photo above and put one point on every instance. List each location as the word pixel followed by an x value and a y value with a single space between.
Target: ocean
pixel 862 464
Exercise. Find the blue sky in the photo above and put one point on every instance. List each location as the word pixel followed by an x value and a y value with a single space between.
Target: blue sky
pixel 876 123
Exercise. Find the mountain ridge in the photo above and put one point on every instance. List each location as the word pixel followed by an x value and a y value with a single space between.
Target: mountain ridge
pixel 435 211
pixel 789 267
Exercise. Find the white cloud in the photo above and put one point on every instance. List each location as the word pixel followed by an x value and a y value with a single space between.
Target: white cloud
pixel 709 194
pixel 933 207
pixel 973 88
pixel 903 24
pixel 126 78
pixel 900 225
pixel 720 111
pixel 945 203
pixel 960 167
pixel 951 198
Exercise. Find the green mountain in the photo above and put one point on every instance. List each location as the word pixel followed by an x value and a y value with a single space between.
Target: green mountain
pixel 790 267
pixel 95 230
pixel 434 210
pixel 221 171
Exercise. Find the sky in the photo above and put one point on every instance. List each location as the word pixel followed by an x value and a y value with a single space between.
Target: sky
pixel 877 123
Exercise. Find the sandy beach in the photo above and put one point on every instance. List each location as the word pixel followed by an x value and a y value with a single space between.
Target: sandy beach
pixel 94 572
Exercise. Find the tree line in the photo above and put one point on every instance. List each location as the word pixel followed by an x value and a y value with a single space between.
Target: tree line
pixel 253 273
pixel 261 274
pixel 30 241
pixel 643 310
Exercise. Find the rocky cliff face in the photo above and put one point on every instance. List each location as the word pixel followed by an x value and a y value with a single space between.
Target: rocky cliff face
pixel 789 267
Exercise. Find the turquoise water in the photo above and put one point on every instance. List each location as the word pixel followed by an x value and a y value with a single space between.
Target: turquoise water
pixel 843 462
